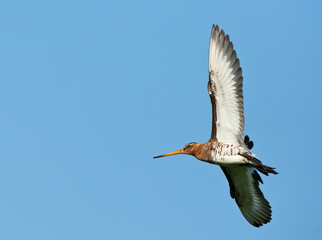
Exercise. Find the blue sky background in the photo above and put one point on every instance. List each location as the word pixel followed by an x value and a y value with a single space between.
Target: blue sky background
pixel 90 91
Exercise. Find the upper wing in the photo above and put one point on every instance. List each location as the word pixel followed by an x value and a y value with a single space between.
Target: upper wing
pixel 225 90
pixel 244 187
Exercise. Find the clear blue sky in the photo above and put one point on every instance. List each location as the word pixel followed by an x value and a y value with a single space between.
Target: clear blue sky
pixel 90 91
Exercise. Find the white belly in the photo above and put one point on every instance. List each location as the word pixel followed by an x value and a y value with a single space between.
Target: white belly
pixel 226 160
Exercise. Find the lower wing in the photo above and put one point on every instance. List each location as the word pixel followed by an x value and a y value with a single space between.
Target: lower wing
pixel 244 188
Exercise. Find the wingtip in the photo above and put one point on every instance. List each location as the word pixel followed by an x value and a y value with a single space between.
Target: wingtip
pixel 215 28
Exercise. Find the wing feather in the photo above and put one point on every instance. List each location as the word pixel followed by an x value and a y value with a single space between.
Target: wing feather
pixel 244 188
pixel 225 90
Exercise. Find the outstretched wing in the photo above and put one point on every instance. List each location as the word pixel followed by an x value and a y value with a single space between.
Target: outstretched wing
pixel 244 188
pixel 225 90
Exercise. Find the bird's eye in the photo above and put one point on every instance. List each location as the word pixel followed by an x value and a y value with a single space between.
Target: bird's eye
pixel 187 146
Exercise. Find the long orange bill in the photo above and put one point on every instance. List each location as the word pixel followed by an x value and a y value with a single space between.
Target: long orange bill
pixel 169 154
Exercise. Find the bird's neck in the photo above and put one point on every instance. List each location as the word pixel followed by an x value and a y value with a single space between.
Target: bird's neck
pixel 201 152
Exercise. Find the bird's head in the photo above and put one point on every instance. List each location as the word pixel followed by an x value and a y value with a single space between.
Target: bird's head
pixel 190 148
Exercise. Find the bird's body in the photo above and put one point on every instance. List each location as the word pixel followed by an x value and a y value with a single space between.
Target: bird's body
pixel 220 153
pixel 227 146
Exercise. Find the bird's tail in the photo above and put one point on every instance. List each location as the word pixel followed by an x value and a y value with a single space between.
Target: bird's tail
pixel 256 163
pixel 265 169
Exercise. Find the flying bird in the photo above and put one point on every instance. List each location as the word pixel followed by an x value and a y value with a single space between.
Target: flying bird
pixel 227 146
